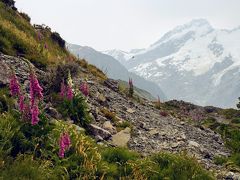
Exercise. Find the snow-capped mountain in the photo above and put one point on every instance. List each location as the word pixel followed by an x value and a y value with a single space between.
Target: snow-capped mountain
pixel 193 62
pixel 114 69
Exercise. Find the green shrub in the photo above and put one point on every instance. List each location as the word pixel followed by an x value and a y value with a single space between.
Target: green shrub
pixel 8 127
pixel 118 155
pixel 179 167
pixel 220 160
pixel 25 16
pixel 57 38
pixel 25 167
pixel 6 102
pixel 117 162
pixel 231 113
pixel 76 109
pixel 122 125
pixel 9 3
pixel 236 120
pixel 236 159
pixel 109 115
pixel 52 80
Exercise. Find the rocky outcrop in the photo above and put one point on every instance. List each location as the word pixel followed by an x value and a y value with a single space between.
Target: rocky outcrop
pixel 98 132
pixel 122 138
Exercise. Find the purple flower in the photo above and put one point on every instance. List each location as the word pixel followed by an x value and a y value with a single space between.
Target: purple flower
pixel 69 93
pixel 64 144
pixel 45 46
pixel 26 113
pixel 21 103
pixel 63 89
pixel 61 153
pixel 84 88
pixel 14 86
pixel 35 113
pixel 35 89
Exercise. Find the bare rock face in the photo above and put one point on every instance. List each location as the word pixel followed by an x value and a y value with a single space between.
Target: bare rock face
pixel 5 73
pixel 20 66
pixel 99 132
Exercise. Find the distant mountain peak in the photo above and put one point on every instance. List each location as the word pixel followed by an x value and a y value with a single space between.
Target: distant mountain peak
pixel 196 27
pixel 203 63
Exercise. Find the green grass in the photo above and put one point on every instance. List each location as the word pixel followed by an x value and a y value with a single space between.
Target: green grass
pixel 19 37
pixel 31 152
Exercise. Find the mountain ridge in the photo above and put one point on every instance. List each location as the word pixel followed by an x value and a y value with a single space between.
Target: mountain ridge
pixel 193 54
pixel 114 69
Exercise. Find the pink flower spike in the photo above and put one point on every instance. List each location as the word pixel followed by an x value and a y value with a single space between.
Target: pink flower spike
pixel 61 153
pixel 64 144
pixel 35 89
pixel 84 89
pixel 66 139
pixel 21 103
pixel 35 114
pixel 63 89
pixel 69 93
pixel 14 86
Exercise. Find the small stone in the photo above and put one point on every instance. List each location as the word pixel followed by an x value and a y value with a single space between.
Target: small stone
pixel 182 122
pixel 129 110
pixel 97 131
pixel 108 126
pixel 229 175
pixel 101 98
pixel 174 145
pixel 193 144
pixel 154 132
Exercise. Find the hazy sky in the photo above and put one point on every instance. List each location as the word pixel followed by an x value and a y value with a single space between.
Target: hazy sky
pixel 126 24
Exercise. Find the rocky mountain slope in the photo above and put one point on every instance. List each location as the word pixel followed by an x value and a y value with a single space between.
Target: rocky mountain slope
pixel 200 61
pixel 63 118
pixel 114 69
pixel 121 121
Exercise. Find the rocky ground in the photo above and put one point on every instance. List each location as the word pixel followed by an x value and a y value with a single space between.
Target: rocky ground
pixel 148 130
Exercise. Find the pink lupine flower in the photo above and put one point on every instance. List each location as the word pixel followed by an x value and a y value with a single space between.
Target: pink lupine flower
pixel 84 89
pixel 69 93
pixel 14 86
pixel 35 114
pixel 63 89
pixel 64 144
pixel 61 153
pixel 26 113
pixel 21 103
pixel 35 89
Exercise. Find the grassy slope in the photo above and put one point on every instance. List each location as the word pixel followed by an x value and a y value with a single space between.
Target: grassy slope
pixel 18 36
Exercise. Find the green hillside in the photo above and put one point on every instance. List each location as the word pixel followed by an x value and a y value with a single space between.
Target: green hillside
pixel 19 38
